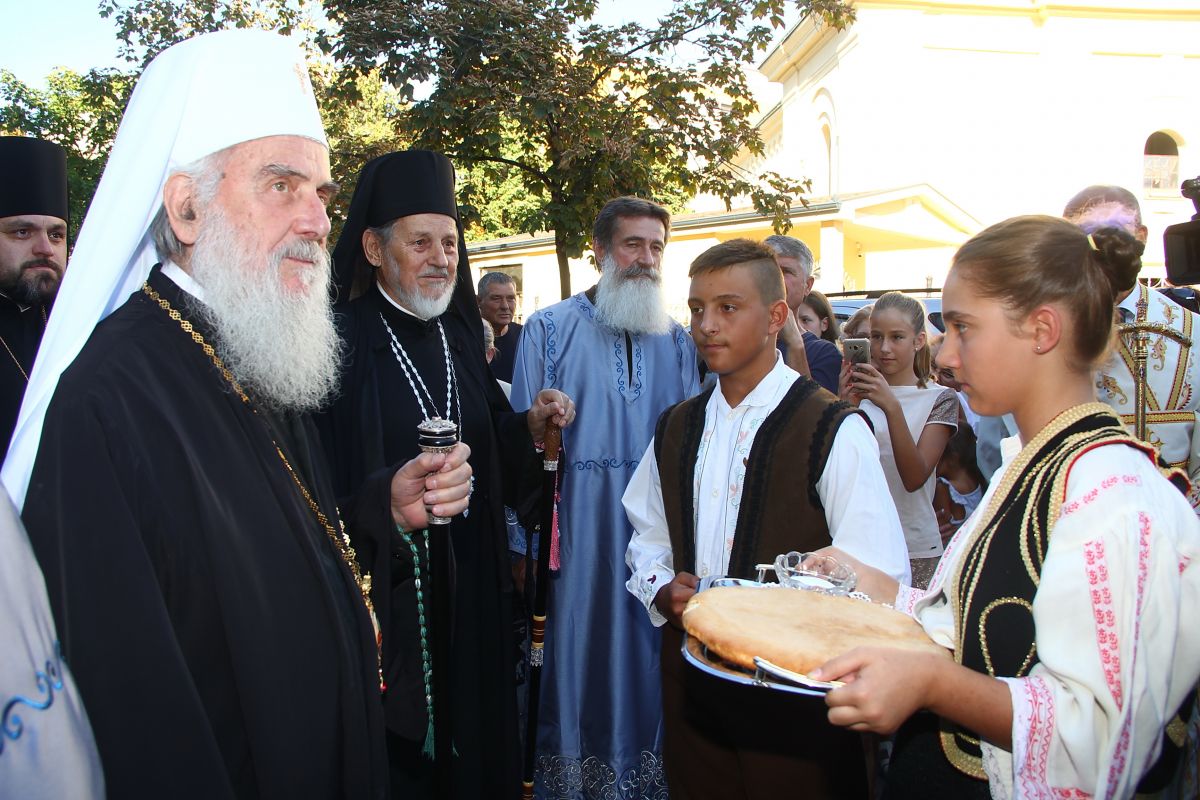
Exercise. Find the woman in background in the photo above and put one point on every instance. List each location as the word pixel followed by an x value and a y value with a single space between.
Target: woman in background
pixel 816 315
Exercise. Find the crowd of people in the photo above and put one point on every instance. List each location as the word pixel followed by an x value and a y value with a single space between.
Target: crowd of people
pixel 238 564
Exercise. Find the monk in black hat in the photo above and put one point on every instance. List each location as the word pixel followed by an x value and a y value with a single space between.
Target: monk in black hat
pixel 413 351
pixel 33 255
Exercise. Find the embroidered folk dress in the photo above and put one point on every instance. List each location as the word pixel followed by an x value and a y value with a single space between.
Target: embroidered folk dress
pixel 788 468
pixel 600 727
pixel 1115 648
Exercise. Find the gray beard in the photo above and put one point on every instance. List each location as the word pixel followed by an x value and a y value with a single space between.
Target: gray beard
pixel 627 304
pixel 416 303
pixel 281 347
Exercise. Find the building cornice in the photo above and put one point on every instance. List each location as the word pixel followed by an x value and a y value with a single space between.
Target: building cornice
pixel 678 224
pixel 810 32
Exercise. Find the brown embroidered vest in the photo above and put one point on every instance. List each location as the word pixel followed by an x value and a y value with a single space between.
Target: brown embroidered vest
pixel 780 509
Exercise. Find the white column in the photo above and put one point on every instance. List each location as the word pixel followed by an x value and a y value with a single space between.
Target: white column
pixel 833 258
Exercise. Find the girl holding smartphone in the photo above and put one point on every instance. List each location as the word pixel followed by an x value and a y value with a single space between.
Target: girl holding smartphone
pixel 913 420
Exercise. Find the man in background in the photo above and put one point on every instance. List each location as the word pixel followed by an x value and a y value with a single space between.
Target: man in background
pixel 804 352
pixel 33 256
pixel 1172 368
pixel 497 304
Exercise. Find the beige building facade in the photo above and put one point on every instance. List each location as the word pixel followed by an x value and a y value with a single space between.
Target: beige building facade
pixel 924 122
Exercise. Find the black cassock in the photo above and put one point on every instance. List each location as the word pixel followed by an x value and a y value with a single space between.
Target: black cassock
pixel 219 643
pixel 22 331
pixel 373 424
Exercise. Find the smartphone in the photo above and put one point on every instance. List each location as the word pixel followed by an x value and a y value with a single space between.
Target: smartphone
pixel 858 351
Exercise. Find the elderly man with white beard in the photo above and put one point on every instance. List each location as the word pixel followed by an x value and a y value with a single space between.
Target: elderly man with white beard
pixel 615 350
pixel 413 337
pixel 208 602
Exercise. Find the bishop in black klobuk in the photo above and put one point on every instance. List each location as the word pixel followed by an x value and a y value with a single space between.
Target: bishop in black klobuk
pixel 414 351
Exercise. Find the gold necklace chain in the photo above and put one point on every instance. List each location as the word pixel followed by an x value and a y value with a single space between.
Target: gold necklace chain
pixel 340 540
pixel 13 355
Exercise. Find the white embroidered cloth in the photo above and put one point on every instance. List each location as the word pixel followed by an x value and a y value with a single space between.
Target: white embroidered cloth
pixel 1116 643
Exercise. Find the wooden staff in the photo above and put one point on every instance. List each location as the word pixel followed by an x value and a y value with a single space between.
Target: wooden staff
pixel 553 440
pixel 439 436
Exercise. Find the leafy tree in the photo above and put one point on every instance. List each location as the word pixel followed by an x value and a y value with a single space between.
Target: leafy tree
pixel 360 112
pixel 82 112
pixel 147 27
pixel 79 112
pixel 578 112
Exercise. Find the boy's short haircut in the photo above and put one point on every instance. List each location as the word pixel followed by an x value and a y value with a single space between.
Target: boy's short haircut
pixel 757 257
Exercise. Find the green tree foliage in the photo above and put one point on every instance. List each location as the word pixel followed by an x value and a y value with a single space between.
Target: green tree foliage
pixel 147 27
pixel 575 112
pixel 82 112
pixel 360 112
pixel 79 112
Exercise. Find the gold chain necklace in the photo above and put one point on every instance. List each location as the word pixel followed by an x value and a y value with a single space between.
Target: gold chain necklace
pixel 13 355
pixel 340 540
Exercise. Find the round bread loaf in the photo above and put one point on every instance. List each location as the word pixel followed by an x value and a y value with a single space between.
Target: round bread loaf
pixel 795 629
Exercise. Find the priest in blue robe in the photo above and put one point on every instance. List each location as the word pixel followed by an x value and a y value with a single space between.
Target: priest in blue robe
pixel 617 353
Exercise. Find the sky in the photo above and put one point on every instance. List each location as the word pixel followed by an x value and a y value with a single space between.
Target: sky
pixel 71 33
pixel 52 33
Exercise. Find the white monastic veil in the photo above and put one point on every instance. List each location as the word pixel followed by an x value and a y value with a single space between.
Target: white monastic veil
pixel 196 98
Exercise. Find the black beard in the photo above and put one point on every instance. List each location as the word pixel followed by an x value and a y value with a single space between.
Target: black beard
pixel 30 288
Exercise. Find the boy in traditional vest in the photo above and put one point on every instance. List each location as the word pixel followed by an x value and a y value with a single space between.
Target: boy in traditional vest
pixel 765 462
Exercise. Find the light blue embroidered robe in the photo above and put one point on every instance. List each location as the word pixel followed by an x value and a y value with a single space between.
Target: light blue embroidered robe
pixel 46 745
pixel 600 729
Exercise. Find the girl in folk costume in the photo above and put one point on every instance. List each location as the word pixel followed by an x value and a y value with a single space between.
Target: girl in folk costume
pixel 913 419
pixel 1063 597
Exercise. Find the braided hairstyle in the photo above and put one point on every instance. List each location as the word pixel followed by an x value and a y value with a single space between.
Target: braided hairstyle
pixel 1026 262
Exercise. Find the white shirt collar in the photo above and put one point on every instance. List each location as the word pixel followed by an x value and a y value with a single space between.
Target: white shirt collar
pixel 388 297
pixel 767 390
pixel 183 280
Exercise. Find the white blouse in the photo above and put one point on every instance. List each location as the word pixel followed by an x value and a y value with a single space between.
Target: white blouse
pixel 1117 647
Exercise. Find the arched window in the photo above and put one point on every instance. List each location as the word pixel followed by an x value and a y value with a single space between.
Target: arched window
pixel 1160 167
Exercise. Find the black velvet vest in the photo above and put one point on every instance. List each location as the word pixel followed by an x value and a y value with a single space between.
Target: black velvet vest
pixel 993 590
pixel 780 509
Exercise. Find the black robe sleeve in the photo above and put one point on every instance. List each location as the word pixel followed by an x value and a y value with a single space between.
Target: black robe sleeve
pixel 107 596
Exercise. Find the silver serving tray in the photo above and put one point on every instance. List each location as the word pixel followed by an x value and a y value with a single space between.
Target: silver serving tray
pixel 766 675
pixel 696 654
